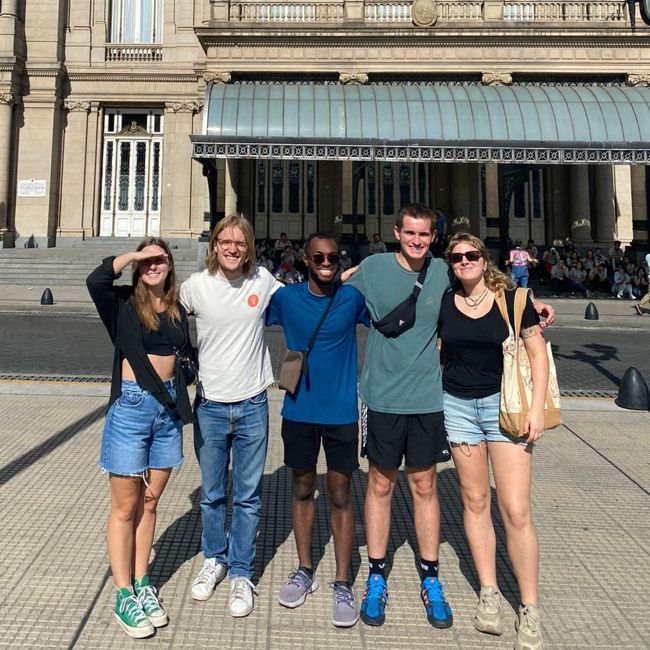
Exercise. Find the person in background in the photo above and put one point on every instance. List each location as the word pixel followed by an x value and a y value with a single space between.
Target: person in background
pixel 559 278
pixel 616 254
pixel 345 262
pixel 532 249
pixel 278 248
pixel 639 283
pixel 376 245
pixel 622 285
pixel 577 277
pixel 143 431
pixel 265 262
pixel 601 258
pixel 518 260
pixel 598 280
pixel 641 306
pixel 590 260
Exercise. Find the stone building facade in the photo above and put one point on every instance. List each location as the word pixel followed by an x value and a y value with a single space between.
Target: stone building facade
pixel 99 99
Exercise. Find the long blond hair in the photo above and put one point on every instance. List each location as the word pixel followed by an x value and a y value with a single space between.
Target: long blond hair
pixel 142 302
pixel 237 221
pixel 495 280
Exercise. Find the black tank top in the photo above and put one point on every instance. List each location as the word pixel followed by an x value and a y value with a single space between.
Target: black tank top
pixel 163 341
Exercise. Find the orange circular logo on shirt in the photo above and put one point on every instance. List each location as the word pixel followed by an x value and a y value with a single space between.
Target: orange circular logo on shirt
pixel 253 300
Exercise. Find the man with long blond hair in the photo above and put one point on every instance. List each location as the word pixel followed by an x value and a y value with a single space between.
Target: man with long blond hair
pixel 229 299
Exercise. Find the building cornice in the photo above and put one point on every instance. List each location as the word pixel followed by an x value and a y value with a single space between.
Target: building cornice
pixel 134 77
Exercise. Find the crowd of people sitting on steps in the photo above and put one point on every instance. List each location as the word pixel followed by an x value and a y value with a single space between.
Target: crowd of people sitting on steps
pixel 567 270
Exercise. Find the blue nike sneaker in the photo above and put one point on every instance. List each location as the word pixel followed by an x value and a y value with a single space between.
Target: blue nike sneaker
pixel 438 610
pixel 375 596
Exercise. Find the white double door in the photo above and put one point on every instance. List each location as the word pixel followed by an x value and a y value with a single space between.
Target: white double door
pixel 131 187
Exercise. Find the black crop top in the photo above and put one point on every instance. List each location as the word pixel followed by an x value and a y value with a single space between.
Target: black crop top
pixel 472 347
pixel 163 341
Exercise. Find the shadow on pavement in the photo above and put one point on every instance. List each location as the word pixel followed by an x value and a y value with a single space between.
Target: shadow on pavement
pixel 595 356
pixel 45 448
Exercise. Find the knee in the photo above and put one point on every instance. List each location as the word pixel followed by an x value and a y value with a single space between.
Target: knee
pixel 517 516
pixel 124 511
pixel 340 497
pixel 304 488
pixel 477 503
pixel 423 488
pixel 150 503
pixel 381 487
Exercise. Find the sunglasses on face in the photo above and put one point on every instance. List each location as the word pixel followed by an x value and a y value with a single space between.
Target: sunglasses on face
pixel 319 258
pixel 470 256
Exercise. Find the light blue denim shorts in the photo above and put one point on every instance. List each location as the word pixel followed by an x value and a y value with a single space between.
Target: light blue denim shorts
pixel 140 433
pixel 474 420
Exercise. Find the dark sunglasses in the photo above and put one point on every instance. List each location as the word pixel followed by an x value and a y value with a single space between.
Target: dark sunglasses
pixel 319 258
pixel 471 256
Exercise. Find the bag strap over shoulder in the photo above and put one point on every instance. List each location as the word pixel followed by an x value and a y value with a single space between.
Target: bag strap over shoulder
pixel 521 295
pixel 312 340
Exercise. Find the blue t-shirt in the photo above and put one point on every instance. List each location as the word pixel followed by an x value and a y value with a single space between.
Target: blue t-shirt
pixel 329 394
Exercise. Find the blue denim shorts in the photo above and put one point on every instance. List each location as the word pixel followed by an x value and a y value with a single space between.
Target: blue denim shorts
pixel 474 420
pixel 140 433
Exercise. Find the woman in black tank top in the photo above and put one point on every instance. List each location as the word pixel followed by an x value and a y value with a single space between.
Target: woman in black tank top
pixel 472 330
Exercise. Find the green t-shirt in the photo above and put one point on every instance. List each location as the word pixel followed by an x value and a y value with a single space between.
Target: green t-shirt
pixel 401 375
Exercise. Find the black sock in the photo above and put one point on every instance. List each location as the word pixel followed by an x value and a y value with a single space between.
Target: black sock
pixel 309 572
pixel 377 565
pixel 429 568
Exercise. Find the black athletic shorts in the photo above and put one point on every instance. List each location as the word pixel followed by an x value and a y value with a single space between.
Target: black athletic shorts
pixel 421 440
pixel 302 441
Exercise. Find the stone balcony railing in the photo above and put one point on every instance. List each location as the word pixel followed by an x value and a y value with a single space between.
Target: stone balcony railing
pixel 133 53
pixel 613 12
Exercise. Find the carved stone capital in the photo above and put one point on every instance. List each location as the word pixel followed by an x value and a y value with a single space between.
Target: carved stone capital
pixel 496 79
pixel 634 79
pixel 217 76
pixel 424 13
pixel 8 98
pixel 72 105
pixel 353 78
pixel 186 107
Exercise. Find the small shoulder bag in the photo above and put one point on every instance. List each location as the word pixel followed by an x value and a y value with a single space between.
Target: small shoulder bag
pixel 295 362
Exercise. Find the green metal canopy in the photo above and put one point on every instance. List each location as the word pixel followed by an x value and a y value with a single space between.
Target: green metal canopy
pixel 552 123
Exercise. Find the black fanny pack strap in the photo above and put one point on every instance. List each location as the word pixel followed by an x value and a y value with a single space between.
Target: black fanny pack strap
pixel 312 340
pixel 419 283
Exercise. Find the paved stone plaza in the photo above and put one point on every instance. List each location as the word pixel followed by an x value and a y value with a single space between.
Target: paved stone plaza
pixel 591 501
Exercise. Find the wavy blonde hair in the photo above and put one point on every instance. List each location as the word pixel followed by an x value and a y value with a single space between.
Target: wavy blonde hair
pixel 495 280
pixel 142 302
pixel 237 221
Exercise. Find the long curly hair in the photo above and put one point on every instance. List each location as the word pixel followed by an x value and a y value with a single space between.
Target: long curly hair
pixel 142 302
pixel 495 280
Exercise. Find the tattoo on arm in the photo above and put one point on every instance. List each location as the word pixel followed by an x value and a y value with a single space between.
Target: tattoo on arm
pixel 527 332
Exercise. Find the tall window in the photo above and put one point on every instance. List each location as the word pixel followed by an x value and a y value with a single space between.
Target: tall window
pixel 136 21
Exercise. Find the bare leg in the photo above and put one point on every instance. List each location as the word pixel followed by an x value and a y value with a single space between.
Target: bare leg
pixel 472 466
pixel 338 487
pixel 303 509
pixel 145 520
pixel 125 494
pixel 422 483
pixel 512 467
pixel 381 484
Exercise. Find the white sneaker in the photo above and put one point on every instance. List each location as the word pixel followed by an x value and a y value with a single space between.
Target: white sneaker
pixel 241 596
pixel 210 575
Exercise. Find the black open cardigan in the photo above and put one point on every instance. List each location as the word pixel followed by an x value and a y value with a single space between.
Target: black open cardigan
pixel 121 321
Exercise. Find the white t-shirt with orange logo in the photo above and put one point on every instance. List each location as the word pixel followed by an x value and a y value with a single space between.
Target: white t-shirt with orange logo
pixel 234 361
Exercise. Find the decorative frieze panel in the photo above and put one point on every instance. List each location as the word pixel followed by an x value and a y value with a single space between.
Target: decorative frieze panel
pixel 353 78
pixel 550 156
pixel 71 105
pixel 497 79
pixel 638 79
pixel 186 107
pixel 217 76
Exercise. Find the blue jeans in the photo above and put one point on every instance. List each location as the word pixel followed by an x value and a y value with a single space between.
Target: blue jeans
pixel 520 276
pixel 219 429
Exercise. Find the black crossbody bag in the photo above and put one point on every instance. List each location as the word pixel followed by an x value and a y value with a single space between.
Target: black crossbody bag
pixel 402 317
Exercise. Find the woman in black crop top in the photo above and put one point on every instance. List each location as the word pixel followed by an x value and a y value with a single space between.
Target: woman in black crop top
pixel 142 438
pixel 472 329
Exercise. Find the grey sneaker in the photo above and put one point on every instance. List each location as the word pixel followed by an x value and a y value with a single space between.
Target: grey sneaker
pixel 488 612
pixel 529 629
pixel 298 586
pixel 345 612
pixel 210 575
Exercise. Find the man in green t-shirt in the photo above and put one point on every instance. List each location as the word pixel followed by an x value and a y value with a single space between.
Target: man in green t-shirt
pixel 401 391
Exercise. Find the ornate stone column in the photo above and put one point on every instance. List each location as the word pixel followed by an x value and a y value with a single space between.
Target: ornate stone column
pixel 231 179
pixel 623 203
pixel 605 209
pixel 7 101
pixel 580 214
pixel 492 204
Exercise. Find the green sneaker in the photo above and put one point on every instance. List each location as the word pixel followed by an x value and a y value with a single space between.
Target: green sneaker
pixel 529 628
pixel 149 602
pixel 129 614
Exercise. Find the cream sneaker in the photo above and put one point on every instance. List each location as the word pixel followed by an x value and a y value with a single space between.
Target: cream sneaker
pixel 488 612
pixel 210 575
pixel 529 628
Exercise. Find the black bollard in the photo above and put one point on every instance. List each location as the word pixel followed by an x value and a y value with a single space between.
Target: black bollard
pixel 591 313
pixel 47 298
pixel 633 391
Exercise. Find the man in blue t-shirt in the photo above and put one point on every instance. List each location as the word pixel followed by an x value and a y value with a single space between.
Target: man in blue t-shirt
pixel 322 410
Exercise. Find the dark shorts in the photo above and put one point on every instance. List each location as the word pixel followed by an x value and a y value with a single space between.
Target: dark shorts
pixel 302 442
pixel 421 440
